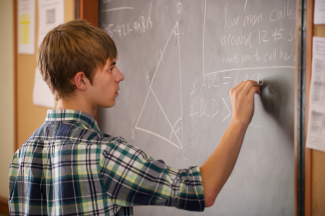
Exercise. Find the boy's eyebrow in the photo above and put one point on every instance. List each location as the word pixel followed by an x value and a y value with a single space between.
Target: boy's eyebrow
pixel 113 63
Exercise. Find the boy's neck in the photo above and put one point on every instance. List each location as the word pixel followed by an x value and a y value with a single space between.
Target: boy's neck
pixel 75 103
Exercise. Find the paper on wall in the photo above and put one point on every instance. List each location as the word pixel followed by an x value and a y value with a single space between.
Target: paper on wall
pixel 50 15
pixel 26 27
pixel 319 12
pixel 42 95
pixel 316 121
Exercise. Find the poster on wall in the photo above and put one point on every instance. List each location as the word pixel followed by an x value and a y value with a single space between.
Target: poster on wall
pixel 26 27
pixel 50 15
pixel 316 121
pixel 42 95
pixel 319 12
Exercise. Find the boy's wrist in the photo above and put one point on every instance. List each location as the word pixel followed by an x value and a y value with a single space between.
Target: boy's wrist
pixel 239 123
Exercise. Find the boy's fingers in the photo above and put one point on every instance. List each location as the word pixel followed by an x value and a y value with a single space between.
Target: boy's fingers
pixel 258 89
pixel 249 85
pixel 234 89
pixel 239 87
pixel 253 90
pixel 244 87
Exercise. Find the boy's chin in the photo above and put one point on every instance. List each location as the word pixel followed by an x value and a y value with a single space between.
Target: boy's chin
pixel 110 105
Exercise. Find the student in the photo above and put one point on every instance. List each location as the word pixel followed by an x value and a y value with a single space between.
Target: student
pixel 69 167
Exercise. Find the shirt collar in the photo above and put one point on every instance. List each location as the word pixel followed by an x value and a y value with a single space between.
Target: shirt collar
pixel 65 115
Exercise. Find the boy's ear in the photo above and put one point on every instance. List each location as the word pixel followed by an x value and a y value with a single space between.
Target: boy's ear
pixel 81 81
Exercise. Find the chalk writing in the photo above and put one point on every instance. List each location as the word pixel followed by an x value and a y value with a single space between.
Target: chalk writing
pixel 139 26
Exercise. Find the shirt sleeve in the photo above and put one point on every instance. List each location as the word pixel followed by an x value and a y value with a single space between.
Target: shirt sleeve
pixel 132 178
pixel 13 170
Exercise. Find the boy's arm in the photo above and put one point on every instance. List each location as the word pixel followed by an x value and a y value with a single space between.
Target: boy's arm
pixel 217 168
pixel 130 177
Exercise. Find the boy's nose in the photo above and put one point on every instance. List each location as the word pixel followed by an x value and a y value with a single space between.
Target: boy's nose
pixel 120 77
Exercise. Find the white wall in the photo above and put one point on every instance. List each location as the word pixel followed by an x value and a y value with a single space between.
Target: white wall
pixel 6 93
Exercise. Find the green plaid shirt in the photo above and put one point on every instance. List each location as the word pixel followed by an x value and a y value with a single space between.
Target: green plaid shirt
pixel 68 167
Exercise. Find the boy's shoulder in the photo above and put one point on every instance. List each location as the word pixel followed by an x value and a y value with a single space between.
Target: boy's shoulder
pixel 68 134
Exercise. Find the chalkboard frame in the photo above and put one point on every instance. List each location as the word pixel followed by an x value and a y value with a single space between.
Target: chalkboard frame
pixel 306 163
pixel 300 109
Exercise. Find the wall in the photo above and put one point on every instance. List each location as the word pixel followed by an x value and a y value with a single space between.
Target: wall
pixel 30 116
pixel 6 93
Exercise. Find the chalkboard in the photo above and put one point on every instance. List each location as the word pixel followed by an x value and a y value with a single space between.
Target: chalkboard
pixel 180 59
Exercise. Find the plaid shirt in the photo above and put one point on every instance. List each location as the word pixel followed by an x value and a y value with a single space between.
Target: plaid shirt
pixel 68 167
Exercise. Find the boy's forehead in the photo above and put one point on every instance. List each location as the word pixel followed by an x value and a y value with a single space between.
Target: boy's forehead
pixel 110 61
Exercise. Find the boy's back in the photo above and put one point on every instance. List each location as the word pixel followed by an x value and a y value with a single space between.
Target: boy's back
pixel 68 167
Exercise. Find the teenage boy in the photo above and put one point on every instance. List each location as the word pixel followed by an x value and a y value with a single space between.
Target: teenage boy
pixel 69 167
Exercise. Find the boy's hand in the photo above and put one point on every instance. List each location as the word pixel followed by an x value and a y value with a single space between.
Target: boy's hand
pixel 242 101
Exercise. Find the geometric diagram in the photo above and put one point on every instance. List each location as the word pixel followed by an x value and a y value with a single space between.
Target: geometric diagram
pixel 161 113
